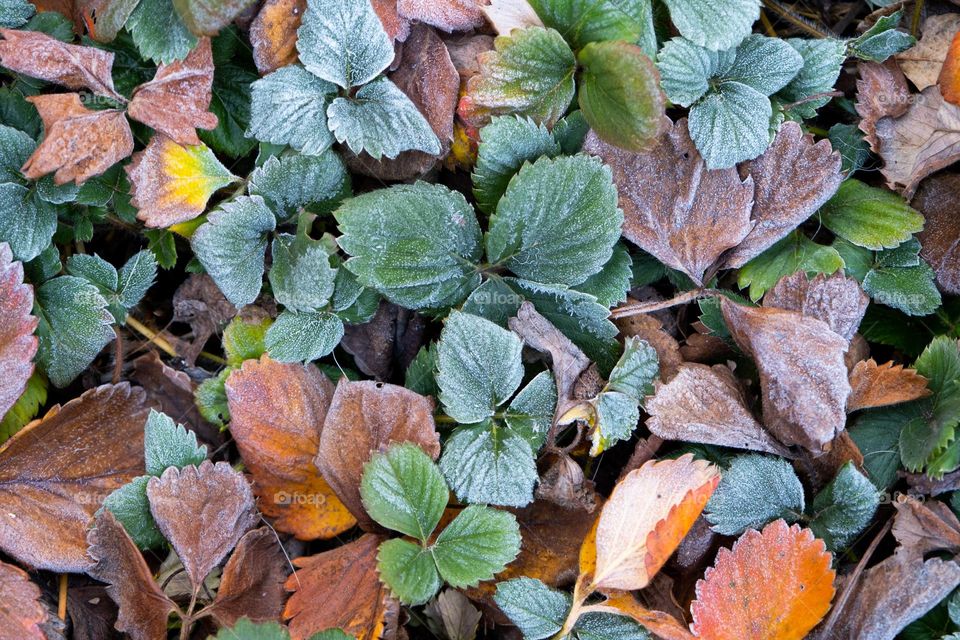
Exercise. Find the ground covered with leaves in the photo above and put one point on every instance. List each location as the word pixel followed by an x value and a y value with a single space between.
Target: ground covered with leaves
pixel 461 319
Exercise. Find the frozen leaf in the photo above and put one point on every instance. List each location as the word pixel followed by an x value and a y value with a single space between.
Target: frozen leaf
pixel 15 13
pixel 926 527
pixel 881 91
pixel 882 40
pixel 822 61
pixel 506 15
pixel 451 15
pixel 55 473
pixel 941 231
pixel 754 491
pixel 175 102
pixel 122 289
pixel 159 32
pixel 303 337
pixel 646 517
pixel 301 276
pixel 78 143
pixel 714 24
pixel 409 570
pixel 249 630
pixel 252 583
pixel 876 434
pixel 366 417
pixel 803 378
pixel 273 34
pixel 277 412
pixel 27 223
pixel 850 143
pixel 843 508
pixel 836 300
pixel 611 284
pixel 289 106
pixel 168 444
pixel 922 63
pixel 870 217
pixel 343 42
pixel 129 505
pixel 208 17
pixel 18 345
pixel 774 584
pixel 874 385
pixel 289 183
pixel 22 613
pixel 794 253
pixel 172 183
pixel 907 286
pixel 479 543
pixel 536 609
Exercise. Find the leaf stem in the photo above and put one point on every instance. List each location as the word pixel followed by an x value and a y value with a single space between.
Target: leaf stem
pixel 636 308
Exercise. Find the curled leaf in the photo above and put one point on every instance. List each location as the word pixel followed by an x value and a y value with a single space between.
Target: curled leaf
pixel 18 345
pixel 940 238
pixel 874 385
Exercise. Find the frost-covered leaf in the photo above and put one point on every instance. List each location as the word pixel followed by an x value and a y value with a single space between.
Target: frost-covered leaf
pixel 18 345
pixel 611 284
pixel 686 69
pixel 882 40
pixel 15 13
pixel 536 609
pixel 883 385
pixel 454 15
pixel 168 444
pixel 923 62
pixel 837 300
pixel 289 106
pixel 303 337
pixel 208 17
pixel 754 491
pixel 822 61
pixel 843 508
pixel 583 22
pixel 849 142
pixel 301 276
pixel 27 224
pixel 409 570
pixel 159 32
pixel 289 183
pixel 731 126
pixel 876 433
pixel 902 280
pixel 122 289
pixel 796 252
pixel 714 24
pixel 130 506
pixel 479 543
pixel 870 217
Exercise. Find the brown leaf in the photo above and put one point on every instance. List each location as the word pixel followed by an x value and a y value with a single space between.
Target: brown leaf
pixel 144 608
pixel 452 610
pixel 277 412
pixel 706 404
pixel 200 303
pixel 792 179
pixel 41 56
pixel 177 100
pixel 78 143
pixel 874 385
pixel 938 199
pixel 202 511
pixel 341 589
pixel 21 612
pixel 364 418
pixel 923 61
pixel 208 17
pixel 803 378
pixel 881 91
pixel 252 582
pixel 92 612
pixel 926 527
pixel 18 345
pixel 674 207
pixel 57 471
pixel 837 300
pixel 924 140
pixel 273 34
pixel 507 15
pixel 651 329
pixel 564 484
pixel 819 470
pixel 448 15
pixel 464 51
pixel 392 337
pixel 396 26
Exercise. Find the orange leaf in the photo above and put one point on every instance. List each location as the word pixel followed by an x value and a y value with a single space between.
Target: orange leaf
pixel 252 582
pixel 273 34
pixel 277 411
pixel 874 385
pixel 949 79
pixel 17 342
pixel 774 585
pixel 21 612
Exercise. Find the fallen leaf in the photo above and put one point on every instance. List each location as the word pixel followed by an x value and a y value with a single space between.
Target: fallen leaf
pixel 674 207
pixel 706 404
pixel 874 385
pixel 449 15
pixel 202 511
pixel 208 17
pixel 252 582
pixel 773 585
pixel 277 412
pixel 926 527
pixel 651 329
pixel 881 91
pixel 464 51
pixel 341 589
pixel 454 612
pixel 92 612
pixel 56 472
pixel 177 100
pixel 365 417
pixel 41 56
pixel 78 143
pixel 803 378
pixel 21 612
pixel 507 15
pixel 838 300
pixel 923 140
pixel 18 345
pixel 273 34
pixel 391 339
pixel 949 78
pixel 646 517
pixel 396 26
pixel 143 607
pixel 200 303
pixel 819 470
pixel 564 484
pixel 661 624
pixel 937 199
pixel 922 62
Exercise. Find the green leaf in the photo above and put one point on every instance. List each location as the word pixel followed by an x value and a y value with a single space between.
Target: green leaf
pixel 231 103
pixel 136 276
pixel 843 508
pixel 15 13
pixel 876 433
pixel 881 40
pixel 755 490
pixel 211 399
pixel 765 64
pixel 404 490
pixel 382 121
pixel 168 444
pixel 822 60
pixel 870 217
pixel 505 145
pixel 74 327
pixel 570 132
pixel 536 609
pixel 686 69
pixel 15 147
pixel 620 94
pixel 479 367
pixel 848 141
pixel 731 125
pixel 714 24
pixel 232 245
pixel 123 290
pixel 636 370
pixel 131 507
pixel 27 223
pixel 289 183
pixel 159 32
pixel 422 372
pixel 795 252
pixel 301 276
pixel 303 337
pixel 343 42
pixel 616 416
pixel 289 106
pixel 243 339
pixel 530 414
pixel 25 408
pixel 409 570
pixel 611 284
pixel 585 21
pixel 912 290
pixel 557 222
pixel 476 545
pixel 605 626
pixel 244 629
pixel 423 251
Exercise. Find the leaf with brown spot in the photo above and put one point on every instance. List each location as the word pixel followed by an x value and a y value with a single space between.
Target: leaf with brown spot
pixel 41 56
pixel 273 34
pixel 365 417
pixel 938 199
pixel 177 100
pixel 837 300
pixel 143 607
pixel 447 15
pixel 651 329
pixel 674 207
pixel 926 527
pixel 803 377
pixel 202 511
pixel 923 61
pixel 252 581
pixel 277 412
pixel 949 78
pixel 78 143
pixel 881 91
pixel 341 589
pixel 18 345
pixel 772 585
pixel 874 385
pixel 57 471
pixel 21 612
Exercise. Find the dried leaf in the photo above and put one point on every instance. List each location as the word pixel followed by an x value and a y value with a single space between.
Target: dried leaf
pixel 949 79
pixel 646 517
pixel 144 608
pixel 21 612
pixel 273 34
pixel 874 385
pixel 208 17
pixel 41 56
pixel 396 26
pixel 177 100
pixel 277 412
pixel 18 345
pixel 202 511
pixel 78 143
pixel 773 585
pixel 341 589
pixel 57 471
pixel 922 62
pixel 837 300
pixel 937 200
pixel 507 15
pixel 452 610
pixel 252 582
pixel 391 338
pixel 564 484
pixel 881 91
pixel 365 417
pixel 926 527
pixel 200 303
pixel 674 208
pixel 449 15
pixel 803 377
pixel 651 329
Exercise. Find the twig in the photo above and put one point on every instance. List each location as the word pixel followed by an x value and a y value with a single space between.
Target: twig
pixel 778 9
pixel 162 343
pixel 915 19
pixel 62 600
pixel 767 25
pixel 636 308
pixel 816 96
pixel 117 356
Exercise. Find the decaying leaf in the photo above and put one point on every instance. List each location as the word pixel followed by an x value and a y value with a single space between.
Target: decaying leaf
pixel 175 102
pixel 874 385
pixel 881 91
pixel 208 17
pixel 450 15
pixel 277 412
pixel 651 329
pixel 252 582
pixel 364 418
pixel 938 199
pixel 173 392
pixel 772 585
pixel 78 143
pixel 18 345
pixel 273 34
pixel 923 61
pixel 949 79
pixel 507 15
pixel 838 300
pixel 396 26
pixel 926 527
pixel 199 303
pixel 458 617
pixel 56 472
pixel 392 337
pixel 21 612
